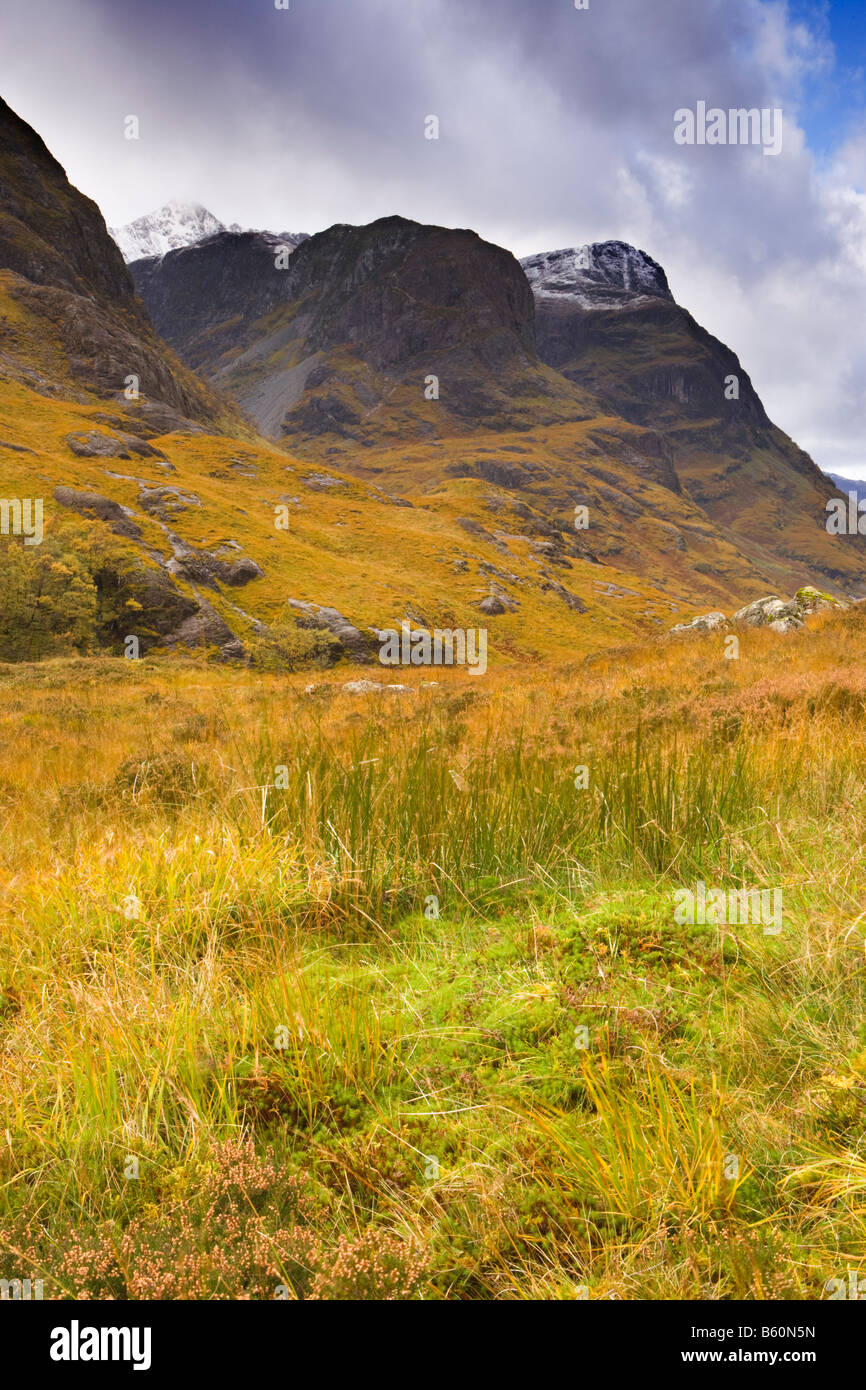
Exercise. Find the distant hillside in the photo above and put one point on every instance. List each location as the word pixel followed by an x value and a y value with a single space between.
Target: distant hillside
pixel 847 485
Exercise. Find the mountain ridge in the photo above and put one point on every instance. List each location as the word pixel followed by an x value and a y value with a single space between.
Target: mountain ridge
pixel 174 225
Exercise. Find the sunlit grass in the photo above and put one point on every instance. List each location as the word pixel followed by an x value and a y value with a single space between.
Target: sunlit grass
pixel 365 935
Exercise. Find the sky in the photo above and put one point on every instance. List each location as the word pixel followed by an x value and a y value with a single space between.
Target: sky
pixel 556 127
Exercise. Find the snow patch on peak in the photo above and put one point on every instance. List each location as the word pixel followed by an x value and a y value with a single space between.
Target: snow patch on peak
pixel 602 275
pixel 173 225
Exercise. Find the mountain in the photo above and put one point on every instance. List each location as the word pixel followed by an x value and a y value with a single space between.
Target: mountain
pixel 339 339
pixel 519 496
pixel 606 320
pixel 71 318
pixel 161 515
pixel 174 225
pixel 582 354
pixel 603 275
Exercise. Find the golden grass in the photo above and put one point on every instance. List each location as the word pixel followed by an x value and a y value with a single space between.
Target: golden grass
pixel 243 992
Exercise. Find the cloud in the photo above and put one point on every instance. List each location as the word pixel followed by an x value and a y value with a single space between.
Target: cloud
pixel 556 127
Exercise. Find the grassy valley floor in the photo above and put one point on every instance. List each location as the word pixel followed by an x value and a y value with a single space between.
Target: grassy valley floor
pixel 311 994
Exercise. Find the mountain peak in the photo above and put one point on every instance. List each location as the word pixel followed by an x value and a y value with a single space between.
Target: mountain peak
pixel 175 224
pixel 601 275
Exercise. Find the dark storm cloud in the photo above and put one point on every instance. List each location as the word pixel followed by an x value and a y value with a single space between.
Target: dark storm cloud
pixel 556 128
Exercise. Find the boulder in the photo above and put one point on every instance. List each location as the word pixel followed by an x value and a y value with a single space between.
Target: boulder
pixel 771 612
pixel 163 502
pixel 762 612
pixel 93 506
pixel 787 617
pixel 92 444
pixel 708 622
pixel 493 606
pixel 812 600
pixel 371 687
pixel 241 572
pixel 353 642
pixel 321 482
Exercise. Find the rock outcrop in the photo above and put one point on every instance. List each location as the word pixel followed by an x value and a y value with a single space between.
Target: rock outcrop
pixel 770 612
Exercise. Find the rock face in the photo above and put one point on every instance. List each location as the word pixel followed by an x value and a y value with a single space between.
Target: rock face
pixel 606 318
pixel 70 276
pixel 353 642
pixel 92 507
pixel 49 232
pixel 316 345
pixel 168 616
pixel 205 628
pixel 91 444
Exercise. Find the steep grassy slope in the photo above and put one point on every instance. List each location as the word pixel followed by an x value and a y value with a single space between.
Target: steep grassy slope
pixel 350 545
pixel 424 535
pixel 70 320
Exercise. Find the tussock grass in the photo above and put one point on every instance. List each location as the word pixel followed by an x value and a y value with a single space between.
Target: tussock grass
pixel 316 967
